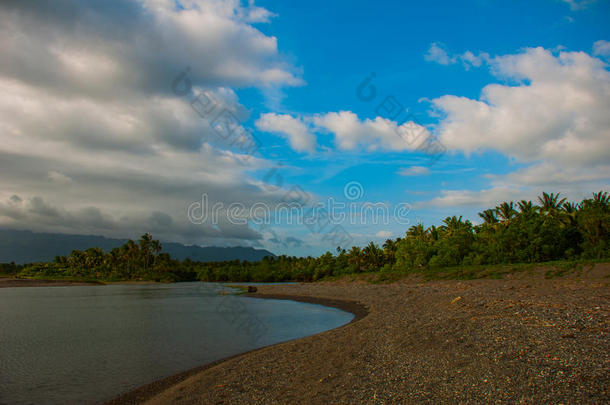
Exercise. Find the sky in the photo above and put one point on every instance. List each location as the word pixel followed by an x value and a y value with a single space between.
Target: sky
pixel 295 126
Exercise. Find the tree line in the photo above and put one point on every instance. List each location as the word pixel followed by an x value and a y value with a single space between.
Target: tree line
pixel 523 232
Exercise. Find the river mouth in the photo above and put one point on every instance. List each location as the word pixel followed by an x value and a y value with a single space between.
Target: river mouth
pixel 88 344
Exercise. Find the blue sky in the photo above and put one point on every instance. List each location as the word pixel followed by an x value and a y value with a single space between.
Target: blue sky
pixel 96 142
pixel 353 39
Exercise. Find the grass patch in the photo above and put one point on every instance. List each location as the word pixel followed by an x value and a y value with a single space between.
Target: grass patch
pixel 550 270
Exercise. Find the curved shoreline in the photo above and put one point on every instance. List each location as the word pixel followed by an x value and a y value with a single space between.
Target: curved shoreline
pixel 147 391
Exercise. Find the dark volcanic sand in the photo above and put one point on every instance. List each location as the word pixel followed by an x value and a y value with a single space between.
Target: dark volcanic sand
pixel 484 341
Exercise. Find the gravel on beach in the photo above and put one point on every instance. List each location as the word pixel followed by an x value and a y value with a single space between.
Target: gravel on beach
pixel 482 341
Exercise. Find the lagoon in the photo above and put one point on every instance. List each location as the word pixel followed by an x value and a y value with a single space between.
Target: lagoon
pixel 88 344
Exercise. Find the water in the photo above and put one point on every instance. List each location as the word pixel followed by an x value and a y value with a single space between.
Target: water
pixel 87 344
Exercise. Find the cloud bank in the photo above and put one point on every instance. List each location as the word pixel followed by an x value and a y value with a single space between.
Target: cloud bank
pixel 92 138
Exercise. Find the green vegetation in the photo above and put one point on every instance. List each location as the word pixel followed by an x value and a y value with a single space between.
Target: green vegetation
pixel 10 269
pixel 510 239
pixel 132 261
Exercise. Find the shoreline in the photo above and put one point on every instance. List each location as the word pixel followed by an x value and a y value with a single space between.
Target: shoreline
pixel 9 282
pixel 150 390
pixel 529 340
pixel 12 282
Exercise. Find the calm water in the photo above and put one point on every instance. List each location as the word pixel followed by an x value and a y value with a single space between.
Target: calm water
pixel 64 345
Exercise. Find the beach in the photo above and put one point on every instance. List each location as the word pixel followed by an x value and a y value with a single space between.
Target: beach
pixel 525 340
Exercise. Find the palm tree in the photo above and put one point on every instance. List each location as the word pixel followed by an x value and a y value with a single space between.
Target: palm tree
pixel 77 259
pixel 145 243
pixel 389 250
pixel 417 231
pixel 506 211
pixel 373 256
pixel 453 225
pixel 489 217
pixel 550 203
pixel 570 207
pixel 131 251
pixel 433 233
pixel 601 198
pixel 156 248
pixel 527 208
pixel 354 257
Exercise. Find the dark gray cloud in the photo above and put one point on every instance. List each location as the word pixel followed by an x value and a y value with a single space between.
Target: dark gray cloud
pixel 92 138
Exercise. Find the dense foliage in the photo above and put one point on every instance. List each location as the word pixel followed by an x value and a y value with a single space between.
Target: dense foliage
pixel 524 232
pixel 132 261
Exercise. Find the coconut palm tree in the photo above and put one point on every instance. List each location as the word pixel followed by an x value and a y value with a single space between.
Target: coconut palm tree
pixel 417 231
pixel 527 208
pixel 433 233
pixel 354 257
pixel 453 225
pixel 602 198
pixel 489 216
pixel 373 256
pixel 550 203
pixel 145 243
pixel 506 211
pixel 156 248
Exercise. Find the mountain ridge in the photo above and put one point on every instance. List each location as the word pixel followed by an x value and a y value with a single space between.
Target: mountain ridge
pixel 24 246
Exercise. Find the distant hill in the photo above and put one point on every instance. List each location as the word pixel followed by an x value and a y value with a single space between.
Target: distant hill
pixel 28 247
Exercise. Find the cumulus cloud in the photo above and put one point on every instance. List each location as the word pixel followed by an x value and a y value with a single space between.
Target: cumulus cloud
pixel 351 132
pixel 557 112
pixel 93 140
pixel 384 234
pixel 348 130
pixel 554 118
pixel 293 129
pixel 106 47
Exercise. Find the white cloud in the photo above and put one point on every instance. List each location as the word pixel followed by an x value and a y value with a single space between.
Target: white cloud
pixel 469 58
pixel 528 183
pixel 483 198
pixel 293 129
pixel 378 134
pixel 349 131
pixel 255 14
pixel 555 118
pixel 437 53
pixel 601 48
pixel 384 234
pixel 414 171
pixel 559 116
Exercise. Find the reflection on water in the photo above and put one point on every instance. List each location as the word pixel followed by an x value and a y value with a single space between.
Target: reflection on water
pixel 86 344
